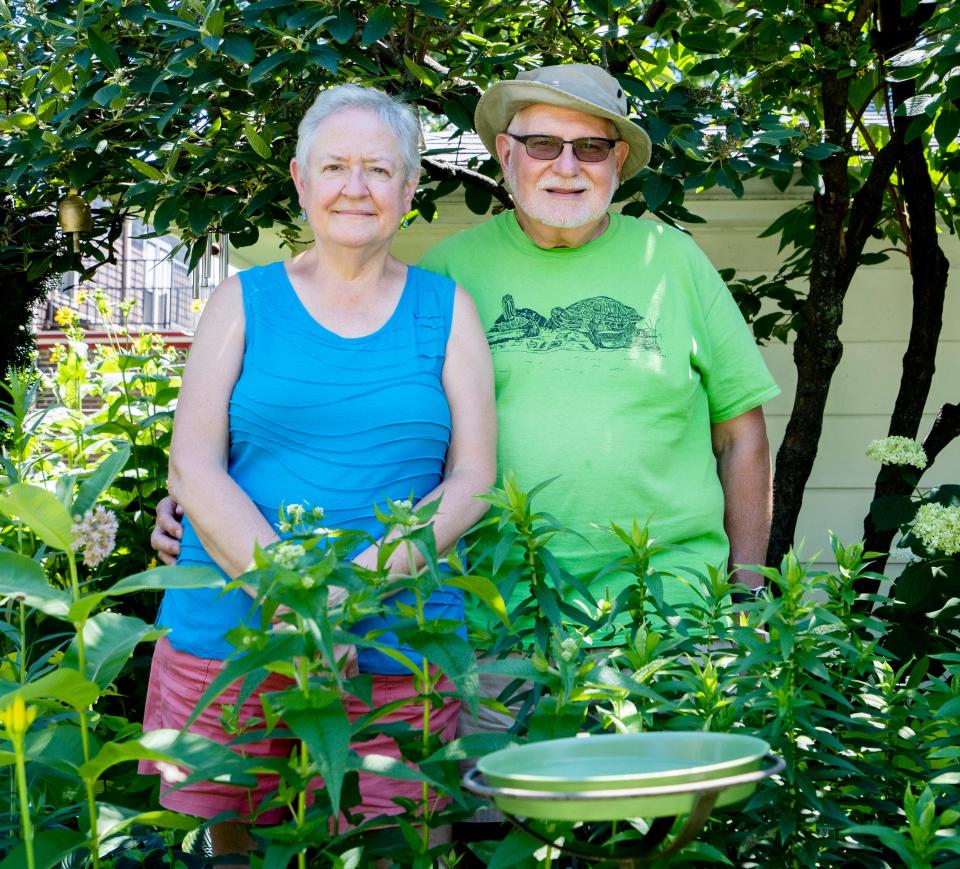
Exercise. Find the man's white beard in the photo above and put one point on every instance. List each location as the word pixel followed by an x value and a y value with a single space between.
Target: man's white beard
pixel 563 215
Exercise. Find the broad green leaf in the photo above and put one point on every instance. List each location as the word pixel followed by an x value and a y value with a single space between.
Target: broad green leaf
pixel 95 485
pixel 343 26
pixel 151 172
pixel 50 847
pixel 239 49
pixel 257 142
pixel 115 819
pixel 268 65
pixel 325 730
pixel 455 657
pixel 104 50
pixel 656 189
pixel 516 850
pixel 164 577
pixel 58 746
pixel 183 748
pixel 484 589
pixel 22 578
pixel 422 74
pixel 109 640
pixel 40 511
pixel 389 767
pixel 63 685
pixel 947 126
pixel 155 579
pixel 379 23
pixel 107 94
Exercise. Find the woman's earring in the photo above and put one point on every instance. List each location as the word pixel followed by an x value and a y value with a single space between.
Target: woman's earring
pixel 303 215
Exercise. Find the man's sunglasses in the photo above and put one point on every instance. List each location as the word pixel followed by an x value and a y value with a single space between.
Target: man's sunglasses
pixel 589 149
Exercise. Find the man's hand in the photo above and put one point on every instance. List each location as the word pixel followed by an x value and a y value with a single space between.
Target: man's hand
pixel 168 530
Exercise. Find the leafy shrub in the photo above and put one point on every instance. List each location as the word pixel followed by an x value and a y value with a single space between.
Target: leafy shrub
pixel 870 744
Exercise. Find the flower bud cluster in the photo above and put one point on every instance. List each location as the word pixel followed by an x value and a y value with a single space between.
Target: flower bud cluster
pixel 897 450
pixel 938 527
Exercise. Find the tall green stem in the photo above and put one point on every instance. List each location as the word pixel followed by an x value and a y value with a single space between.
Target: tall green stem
pixel 94 842
pixel 26 825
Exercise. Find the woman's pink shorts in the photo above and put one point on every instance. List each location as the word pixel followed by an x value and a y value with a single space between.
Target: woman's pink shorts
pixel 177 681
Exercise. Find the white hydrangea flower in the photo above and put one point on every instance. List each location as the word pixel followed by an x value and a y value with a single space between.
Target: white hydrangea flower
pixel 938 527
pixel 897 450
pixel 96 534
pixel 288 554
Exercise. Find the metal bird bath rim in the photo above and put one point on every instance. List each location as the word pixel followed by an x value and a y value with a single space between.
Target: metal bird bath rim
pixel 693 788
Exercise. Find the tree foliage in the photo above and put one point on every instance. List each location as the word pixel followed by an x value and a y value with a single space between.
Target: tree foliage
pixel 185 112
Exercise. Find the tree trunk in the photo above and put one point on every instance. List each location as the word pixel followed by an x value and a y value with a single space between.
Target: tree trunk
pixel 928 268
pixel 817 349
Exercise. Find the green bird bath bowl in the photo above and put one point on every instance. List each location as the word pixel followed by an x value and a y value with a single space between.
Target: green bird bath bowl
pixel 612 777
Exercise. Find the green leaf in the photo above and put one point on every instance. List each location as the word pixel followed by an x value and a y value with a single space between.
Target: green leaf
pixel 921 104
pixel 105 95
pixel 109 640
pixel 422 74
pixel 484 589
pixel 115 819
pixel 63 685
pixel 97 483
pixel 186 749
pixel 322 723
pixel 268 64
pixel 50 847
pixel 162 578
pixel 656 189
pixel 165 214
pixel 379 24
pixel 22 578
pixel 102 49
pixel 947 126
pixel 517 849
pixel 455 657
pixel 151 172
pixel 40 511
pixel 343 26
pixel 892 511
pixel 257 142
pixel 239 49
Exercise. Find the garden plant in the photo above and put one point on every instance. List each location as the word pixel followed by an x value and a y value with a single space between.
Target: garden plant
pixel 867 724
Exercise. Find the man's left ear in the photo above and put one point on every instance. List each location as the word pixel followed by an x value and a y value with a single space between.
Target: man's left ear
pixel 621 150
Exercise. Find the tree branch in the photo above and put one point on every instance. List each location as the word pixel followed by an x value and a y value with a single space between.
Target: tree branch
pixel 440 170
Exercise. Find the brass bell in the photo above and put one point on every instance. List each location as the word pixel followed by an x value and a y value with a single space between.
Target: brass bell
pixel 75 216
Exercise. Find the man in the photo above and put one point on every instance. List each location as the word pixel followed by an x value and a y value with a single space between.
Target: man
pixel 622 363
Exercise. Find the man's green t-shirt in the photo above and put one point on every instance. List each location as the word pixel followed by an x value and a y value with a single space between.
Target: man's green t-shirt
pixel 611 362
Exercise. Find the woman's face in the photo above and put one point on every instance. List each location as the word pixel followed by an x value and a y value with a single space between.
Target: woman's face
pixel 354 190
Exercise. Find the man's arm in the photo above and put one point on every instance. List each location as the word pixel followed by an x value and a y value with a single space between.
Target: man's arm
pixel 166 534
pixel 743 464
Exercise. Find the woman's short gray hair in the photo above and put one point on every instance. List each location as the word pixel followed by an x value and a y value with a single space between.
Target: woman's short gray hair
pixel 397 115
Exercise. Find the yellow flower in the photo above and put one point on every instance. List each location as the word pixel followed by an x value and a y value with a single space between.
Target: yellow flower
pixel 152 563
pixel 17 718
pixel 64 317
pixel 197 305
pixel 80 297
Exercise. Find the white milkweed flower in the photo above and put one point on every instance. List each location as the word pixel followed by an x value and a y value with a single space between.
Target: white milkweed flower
pixel 897 450
pixel 938 527
pixel 95 533
pixel 296 512
pixel 288 554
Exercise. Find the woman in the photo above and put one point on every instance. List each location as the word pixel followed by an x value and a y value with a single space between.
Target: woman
pixel 337 379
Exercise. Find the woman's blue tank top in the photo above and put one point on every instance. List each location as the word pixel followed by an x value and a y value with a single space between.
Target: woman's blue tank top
pixel 331 422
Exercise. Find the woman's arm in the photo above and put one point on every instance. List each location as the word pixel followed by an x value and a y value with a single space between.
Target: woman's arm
pixel 471 464
pixel 225 519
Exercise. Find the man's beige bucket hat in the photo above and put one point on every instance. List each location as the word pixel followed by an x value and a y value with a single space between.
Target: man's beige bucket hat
pixel 577 86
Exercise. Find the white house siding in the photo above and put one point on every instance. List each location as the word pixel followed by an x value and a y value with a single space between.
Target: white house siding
pixel 874 334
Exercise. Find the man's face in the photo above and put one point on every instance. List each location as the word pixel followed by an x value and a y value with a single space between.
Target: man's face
pixel 564 192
